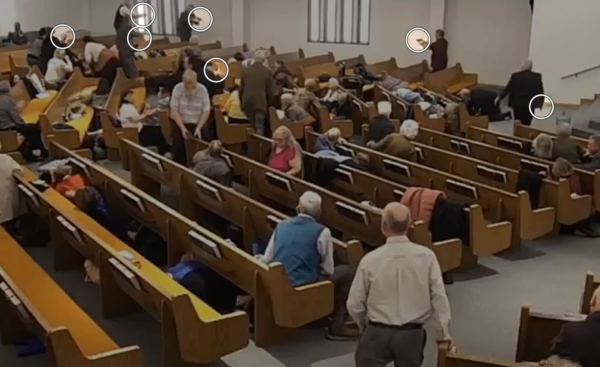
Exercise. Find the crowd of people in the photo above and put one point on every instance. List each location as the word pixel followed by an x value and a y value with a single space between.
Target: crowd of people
pixel 370 302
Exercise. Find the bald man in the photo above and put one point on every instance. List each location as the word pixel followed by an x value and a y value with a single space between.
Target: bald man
pixel 521 89
pixel 579 341
pixel 397 288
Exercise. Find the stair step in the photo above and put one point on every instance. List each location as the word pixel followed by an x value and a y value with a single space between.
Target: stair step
pixel 594 123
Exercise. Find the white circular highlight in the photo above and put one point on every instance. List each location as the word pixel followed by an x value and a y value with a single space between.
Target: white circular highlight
pixel 213 59
pixel 52 38
pixel 152 19
pixel 200 10
pixel 409 40
pixel 147 31
pixel 551 110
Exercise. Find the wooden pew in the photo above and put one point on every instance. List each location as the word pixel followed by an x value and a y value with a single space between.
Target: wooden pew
pixel 498 205
pixel 338 211
pixel 258 225
pixel 315 70
pixel 388 66
pixel 279 308
pixel 54 113
pixel 450 80
pixel 590 286
pixel 362 112
pixel 464 117
pixel 112 134
pixel 295 65
pixel 497 139
pixel 447 359
pixel 224 53
pixel 33 305
pixel 296 127
pixel 537 332
pixel 590 181
pixel 285 57
pixel 555 194
pixel 193 333
pixel 325 122
pixel 530 133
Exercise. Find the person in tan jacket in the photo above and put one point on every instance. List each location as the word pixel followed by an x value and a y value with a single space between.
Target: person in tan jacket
pixel 399 144
pixel 257 92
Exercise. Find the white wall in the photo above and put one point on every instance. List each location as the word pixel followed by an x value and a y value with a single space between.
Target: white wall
pixel 221 29
pixel 34 14
pixel 102 15
pixel 284 24
pixel 488 37
pixel 564 40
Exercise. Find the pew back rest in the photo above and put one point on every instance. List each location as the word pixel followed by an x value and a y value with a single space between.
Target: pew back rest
pixel 412 73
pixel 286 57
pixel 294 66
pixel 224 53
pixel 387 66
pixel 590 286
pixel 120 86
pixel 444 78
pixel 315 71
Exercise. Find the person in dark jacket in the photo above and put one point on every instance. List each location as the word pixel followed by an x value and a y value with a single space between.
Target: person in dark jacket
pixel 329 140
pixel 579 341
pixel 197 63
pixel 122 15
pixel 565 146
pixel 521 88
pixel 592 156
pixel 48 50
pixel 17 37
pixel 125 51
pixel 257 92
pixel 35 50
pixel 439 51
pixel 184 31
pixel 381 126
pixel 482 102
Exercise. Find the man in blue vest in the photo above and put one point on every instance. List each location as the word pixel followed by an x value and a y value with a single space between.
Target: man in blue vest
pixel 305 249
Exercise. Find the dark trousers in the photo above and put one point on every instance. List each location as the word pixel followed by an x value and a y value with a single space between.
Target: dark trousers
pixel 342 278
pixel 257 121
pixel 380 345
pixel 33 140
pixel 178 148
pixel 129 68
pixel 32 60
pixel 151 136
pixel 109 71
pixel 523 114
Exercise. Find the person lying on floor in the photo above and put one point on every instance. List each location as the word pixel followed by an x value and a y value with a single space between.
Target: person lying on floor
pixel 305 248
pixel 146 122
pixel 403 91
pixel 399 144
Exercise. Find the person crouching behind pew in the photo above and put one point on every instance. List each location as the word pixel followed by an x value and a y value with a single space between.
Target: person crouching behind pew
pixel 398 144
pixel 397 288
pixel 294 112
pixel 579 342
pixel 59 68
pixel 211 164
pixel 305 249
pixel 65 182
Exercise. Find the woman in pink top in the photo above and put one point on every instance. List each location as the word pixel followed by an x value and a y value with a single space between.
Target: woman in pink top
pixel 286 155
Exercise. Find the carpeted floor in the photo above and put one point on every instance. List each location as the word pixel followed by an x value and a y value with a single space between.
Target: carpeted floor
pixel 486 301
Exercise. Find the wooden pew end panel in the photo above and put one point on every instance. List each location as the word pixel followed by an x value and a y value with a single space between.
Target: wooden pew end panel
pixel 534 223
pixel 488 239
pixel 64 352
pixel 448 253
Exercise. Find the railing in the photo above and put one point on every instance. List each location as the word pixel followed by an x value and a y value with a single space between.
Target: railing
pixel 581 72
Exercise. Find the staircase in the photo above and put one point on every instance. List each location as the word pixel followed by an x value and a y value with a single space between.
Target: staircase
pixel 586 119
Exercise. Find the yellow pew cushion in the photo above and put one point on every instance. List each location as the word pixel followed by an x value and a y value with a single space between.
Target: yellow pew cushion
pixel 31 113
pixel 83 123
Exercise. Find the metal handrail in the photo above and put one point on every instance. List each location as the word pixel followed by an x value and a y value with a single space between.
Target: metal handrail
pixel 581 72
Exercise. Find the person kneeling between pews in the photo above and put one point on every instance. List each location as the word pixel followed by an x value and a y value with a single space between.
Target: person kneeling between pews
pixel 579 342
pixel 397 288
pixel 210 163
pixel 305 249
pixel 398 144
pixel 293 111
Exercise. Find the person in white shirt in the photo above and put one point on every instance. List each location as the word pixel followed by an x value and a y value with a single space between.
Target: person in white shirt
pixel 397 288
pixel 305 248
pixel 59 67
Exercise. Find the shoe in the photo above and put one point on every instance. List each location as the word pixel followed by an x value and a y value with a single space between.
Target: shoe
pixel 344 333
pixel 448 278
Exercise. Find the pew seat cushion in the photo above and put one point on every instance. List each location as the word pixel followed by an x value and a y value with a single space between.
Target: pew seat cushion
pixel 83 123
pixel 31 113
pixel 139 96
pixel 41 294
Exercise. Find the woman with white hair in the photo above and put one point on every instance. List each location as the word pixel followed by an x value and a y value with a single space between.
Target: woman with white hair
pixel 334 97
pixel 542 146
pixel 565 146
pixel 329 140
pixel 286 154
pixel 293 111
pixel 398 144
pixel 59 67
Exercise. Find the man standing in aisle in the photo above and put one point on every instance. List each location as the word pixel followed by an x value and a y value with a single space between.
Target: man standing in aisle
pixel 256 92
pixel 521 88
pixel 125 51
pixel 439 51
pixel 397 288
pixel 184 31
pixel 122 15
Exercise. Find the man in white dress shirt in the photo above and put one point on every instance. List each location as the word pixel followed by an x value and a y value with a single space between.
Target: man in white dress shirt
pixel 397 288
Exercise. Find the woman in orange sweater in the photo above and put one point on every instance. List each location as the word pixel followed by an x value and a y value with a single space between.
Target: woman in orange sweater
pixel 66 183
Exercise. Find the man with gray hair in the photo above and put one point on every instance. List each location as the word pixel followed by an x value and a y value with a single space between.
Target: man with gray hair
pixel 381 126
pixel 521 88
pixel 579 341
pixel 257 92
pixel 397 288
pixel 305 248
pixel 565 146
pixel 592 154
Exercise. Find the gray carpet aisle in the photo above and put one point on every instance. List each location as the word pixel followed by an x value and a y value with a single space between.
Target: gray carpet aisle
pixel 486 301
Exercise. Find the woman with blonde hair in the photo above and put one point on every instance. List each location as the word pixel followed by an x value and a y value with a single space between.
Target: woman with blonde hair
pixel 286 154
pixel 563 169
pixel 59 67
pixel 542 146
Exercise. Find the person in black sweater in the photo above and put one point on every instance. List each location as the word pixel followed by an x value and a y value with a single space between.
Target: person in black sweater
pixel 121 15
pixel 521 88
pixel 439 51
pixel 482 102
pixel 184 31
pixel 381 126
